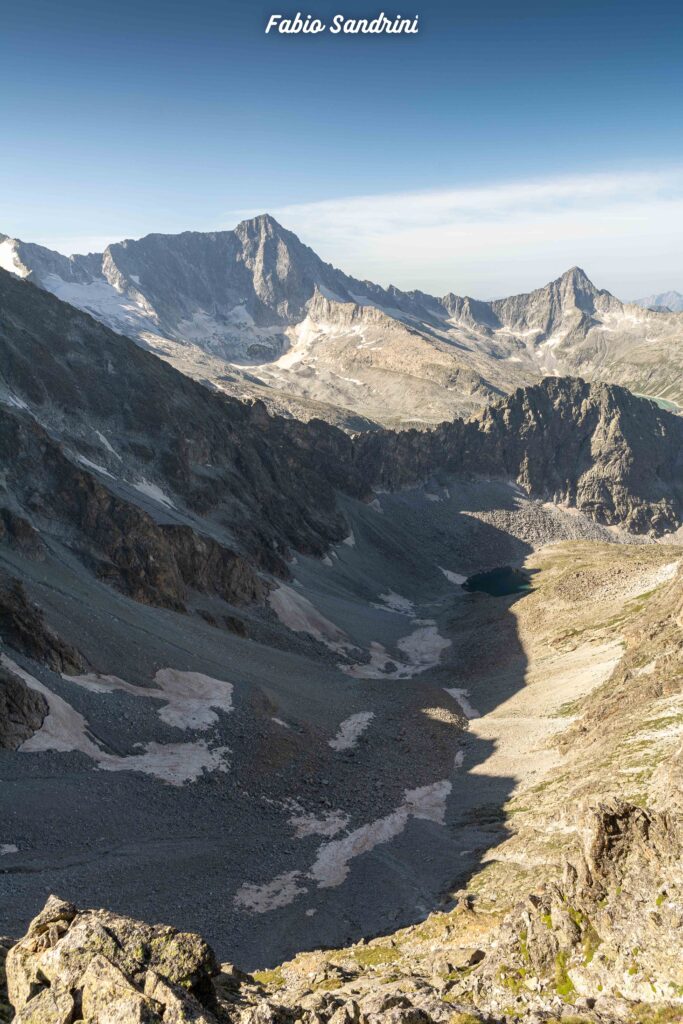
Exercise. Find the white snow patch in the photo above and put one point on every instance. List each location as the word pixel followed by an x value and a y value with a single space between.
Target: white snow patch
pixel 350 729
pixel 453 577
pixel 309 825
pixel 189 697
pixel 331 866
pixel 279 893
pixel 278 721
pixel 461 697
pixel 175 763
pixel 326 560
pixel 422 649
pixel 65 730
pixel 107 445
pixel 154 492
pixel 376 505
pixel 15 401
pixel 298 614
pixel 395 603
pixel 350 541
pixel 6 848
pixel 104 301
pixel 94 465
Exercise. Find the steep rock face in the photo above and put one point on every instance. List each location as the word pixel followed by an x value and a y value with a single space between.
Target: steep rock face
pixel 22 712
pixel 23 627
pixel 594 447
pixel 609 931
pixel 107 422
pixel 151 561
pixel 567 303
pixel 232 291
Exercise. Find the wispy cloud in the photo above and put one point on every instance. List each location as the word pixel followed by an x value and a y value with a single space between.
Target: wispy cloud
pixel 623 228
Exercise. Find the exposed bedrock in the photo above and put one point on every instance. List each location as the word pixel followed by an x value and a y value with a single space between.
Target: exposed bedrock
pixel 22 710
pixel 22 625
pixel 592 446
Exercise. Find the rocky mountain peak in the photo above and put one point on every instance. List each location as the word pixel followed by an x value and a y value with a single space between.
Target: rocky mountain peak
pixel 577 277
pixel 264 225
pixel 560 306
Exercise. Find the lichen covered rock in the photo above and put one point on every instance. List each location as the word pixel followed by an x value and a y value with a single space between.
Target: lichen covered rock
pixel 107 969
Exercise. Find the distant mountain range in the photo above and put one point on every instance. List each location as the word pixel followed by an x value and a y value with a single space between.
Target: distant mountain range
pixel 666 301
pixel 256 313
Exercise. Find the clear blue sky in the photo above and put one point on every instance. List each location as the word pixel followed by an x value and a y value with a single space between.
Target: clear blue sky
pixel 127 117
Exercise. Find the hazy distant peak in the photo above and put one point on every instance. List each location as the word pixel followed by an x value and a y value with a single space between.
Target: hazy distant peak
pixel 663 301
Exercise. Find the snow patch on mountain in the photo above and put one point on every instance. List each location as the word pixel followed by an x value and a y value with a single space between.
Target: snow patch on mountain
pixel 9 258
pixel 350 730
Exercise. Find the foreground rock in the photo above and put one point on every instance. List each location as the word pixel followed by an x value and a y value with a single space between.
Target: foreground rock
pixel 104 969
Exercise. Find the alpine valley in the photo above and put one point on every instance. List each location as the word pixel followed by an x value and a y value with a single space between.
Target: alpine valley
pixel 341 631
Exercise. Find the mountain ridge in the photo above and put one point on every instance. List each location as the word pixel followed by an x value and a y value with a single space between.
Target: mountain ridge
pixel 241 311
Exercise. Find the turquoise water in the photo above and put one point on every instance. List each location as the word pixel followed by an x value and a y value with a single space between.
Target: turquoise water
pixel 500 582
pixel 663 403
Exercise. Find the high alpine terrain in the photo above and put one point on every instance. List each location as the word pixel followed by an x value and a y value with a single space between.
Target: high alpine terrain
pixel 392 718
pixel 255 313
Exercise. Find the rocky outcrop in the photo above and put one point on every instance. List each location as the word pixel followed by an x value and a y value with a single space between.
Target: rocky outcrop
pixel 104 969
pixel 23 627
pixel 594 447
pixel 18 534
pixel 22 711
pixel 609 934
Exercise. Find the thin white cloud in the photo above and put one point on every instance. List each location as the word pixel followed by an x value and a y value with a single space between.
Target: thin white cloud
pixel 623 228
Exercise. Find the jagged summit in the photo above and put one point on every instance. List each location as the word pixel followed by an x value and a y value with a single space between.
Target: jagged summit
pixel 263 223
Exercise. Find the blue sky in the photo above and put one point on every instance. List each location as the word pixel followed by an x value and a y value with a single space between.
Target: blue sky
pixel 501 144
